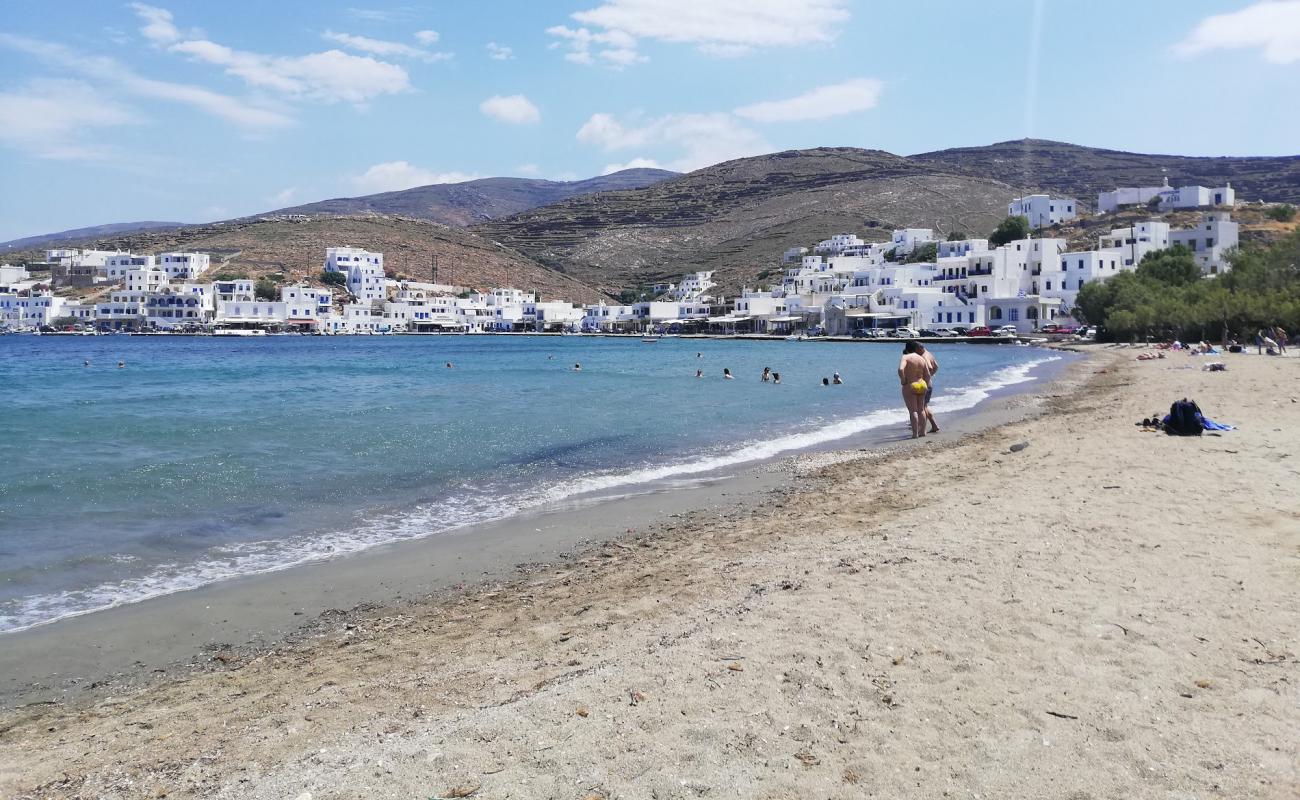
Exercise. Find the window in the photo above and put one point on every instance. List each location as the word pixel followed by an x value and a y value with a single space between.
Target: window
pixel 1209 243
pixel 1081 283
pixel 1013 314
pixel 1049 286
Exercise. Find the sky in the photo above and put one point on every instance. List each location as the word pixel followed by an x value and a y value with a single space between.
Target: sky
pixel 195 111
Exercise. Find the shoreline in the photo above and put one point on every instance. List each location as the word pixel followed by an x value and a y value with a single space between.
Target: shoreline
pixel 1080 618
pixel 140 642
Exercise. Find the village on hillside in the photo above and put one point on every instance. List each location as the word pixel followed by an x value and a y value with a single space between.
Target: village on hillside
pixel 914 284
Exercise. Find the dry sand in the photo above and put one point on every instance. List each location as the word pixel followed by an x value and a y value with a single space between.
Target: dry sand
pixel 1106 613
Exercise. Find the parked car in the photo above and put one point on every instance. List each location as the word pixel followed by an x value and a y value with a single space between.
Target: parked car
pixel 905 333
pixel 1005 330
pixel 861 333
pixel 946 332
pixel 1087 334
pixel 1050 328
pixel 959 330
pixel 979 330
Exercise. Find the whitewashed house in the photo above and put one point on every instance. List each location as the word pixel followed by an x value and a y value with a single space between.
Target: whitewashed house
pixel 605 318
pixel 1166 197
pixel 29 310
pixel 10 275
pixel 180 305
pixel 1210 241
pixel 117 265
pixel 905 240
pixel 183 266
pixel 1043 210
pixel 1137 240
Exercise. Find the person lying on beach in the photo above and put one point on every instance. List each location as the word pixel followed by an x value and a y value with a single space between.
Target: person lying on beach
pixel 913 375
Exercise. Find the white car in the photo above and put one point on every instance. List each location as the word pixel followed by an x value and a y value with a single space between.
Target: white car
pixel 1005 330
pixel 905 333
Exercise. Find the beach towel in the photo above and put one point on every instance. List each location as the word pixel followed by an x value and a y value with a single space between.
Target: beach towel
pixel 1211 425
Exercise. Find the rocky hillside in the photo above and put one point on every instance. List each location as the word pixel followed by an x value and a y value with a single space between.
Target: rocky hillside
pixel 476 201
pixel 1083 172
pixel 739 216
pixel 296 250
pixel 115 228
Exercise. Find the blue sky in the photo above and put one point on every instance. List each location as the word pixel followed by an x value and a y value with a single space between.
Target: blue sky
pixel 194 111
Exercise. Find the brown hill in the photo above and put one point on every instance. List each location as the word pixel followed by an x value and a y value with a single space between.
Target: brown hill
pixel 476 201
pixel 738 217
pixel 1083 172
pixel 296 250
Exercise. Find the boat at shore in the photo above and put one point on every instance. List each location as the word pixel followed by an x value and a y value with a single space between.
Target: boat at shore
pixel 239 332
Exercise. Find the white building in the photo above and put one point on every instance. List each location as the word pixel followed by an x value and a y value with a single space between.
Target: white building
pixel 10 274
pixel 905 240
pixel 179 305
pixel 184 266
pixel 27 310
pixel 117 265
pixel 1043 210
pixel 1137 240
pixel 963 247
pixel 835 245
pixel 794 254
pixel 1166 197
pixel 1210 241
pixel 608 318
pixel 694 285
pixel 364 271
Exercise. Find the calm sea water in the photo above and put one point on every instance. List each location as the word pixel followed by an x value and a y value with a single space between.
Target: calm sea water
pixel 206 459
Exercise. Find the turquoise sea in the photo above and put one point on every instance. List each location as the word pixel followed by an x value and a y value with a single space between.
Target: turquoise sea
pixel 206 459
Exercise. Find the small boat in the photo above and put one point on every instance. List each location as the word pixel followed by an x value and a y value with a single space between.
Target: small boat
pixel 239 332
pixel 649 340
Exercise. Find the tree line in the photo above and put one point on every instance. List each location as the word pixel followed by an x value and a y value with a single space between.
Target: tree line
pixel 1167 298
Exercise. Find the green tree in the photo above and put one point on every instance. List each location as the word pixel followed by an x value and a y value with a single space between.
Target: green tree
pixel 1175 266
pixel 265 289
pixel 923 253
pixel 1009 230
pixel 1283 212
pixel 333 278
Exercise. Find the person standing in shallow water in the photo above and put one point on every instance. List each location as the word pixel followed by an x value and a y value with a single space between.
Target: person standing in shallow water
pixel 929 392
pixel 913 376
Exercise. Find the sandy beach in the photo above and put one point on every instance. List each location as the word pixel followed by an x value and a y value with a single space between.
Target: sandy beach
pixel 1104 613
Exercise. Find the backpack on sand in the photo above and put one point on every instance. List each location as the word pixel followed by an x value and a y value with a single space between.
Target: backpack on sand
pixel 1184 419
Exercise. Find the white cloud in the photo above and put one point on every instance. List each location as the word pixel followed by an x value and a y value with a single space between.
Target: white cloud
pixel 500 52
pixel 54 119
pixel 392 176
pixel 381 47
pixel 427 37
pixel 636 163
pixel 823 102
pixel 700 139
pixel 252 117
pixel 329 76
pixel 723 28
pixel 283 196
pixel 1271 27
pixel 514 109
pixel 528 169
pixel 616 47
pixel 158 25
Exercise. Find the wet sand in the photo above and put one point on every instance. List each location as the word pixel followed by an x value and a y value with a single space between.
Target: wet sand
pixel 1103 613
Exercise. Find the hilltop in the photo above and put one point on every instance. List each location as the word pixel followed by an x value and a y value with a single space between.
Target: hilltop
pixel 296 250
pixel 94 231
pixel 479 200
pixel 1083 172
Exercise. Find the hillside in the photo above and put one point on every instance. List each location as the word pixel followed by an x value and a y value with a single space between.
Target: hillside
pixel 739 216
pixel 1083 172
pixel 116 228
pixel 297 250
pixel 476 201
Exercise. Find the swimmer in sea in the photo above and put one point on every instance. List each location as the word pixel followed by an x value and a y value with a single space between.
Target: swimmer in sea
pixel 726 374
pixel 577 368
